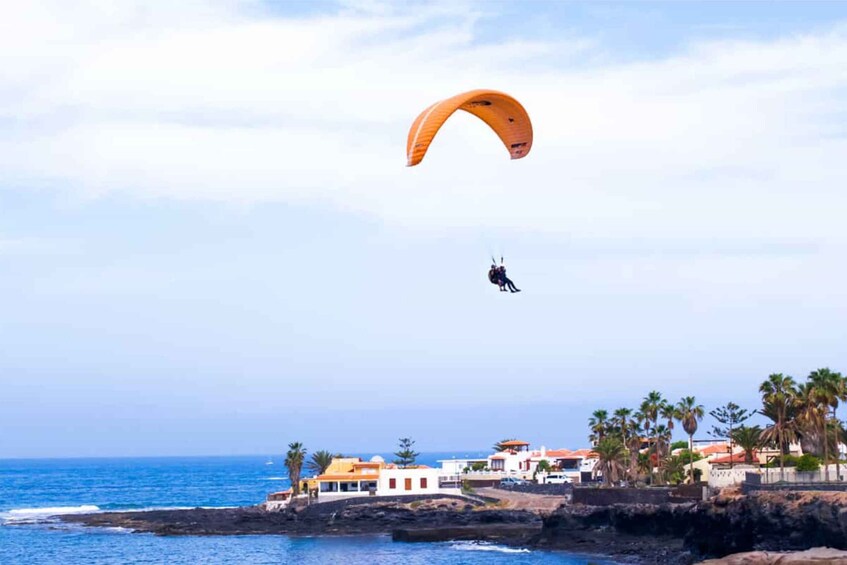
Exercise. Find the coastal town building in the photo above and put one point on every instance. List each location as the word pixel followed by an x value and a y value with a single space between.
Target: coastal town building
pixel 518 460
pixel 350 477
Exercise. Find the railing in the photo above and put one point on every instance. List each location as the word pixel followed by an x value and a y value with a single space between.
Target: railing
pixel 791 475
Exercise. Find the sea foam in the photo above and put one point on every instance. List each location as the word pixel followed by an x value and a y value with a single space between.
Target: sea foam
pixel 39 515
pixel 485 546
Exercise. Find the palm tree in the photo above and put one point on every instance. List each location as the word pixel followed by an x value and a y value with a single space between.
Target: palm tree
pixel 610 455
pixel 634 443
pixel 779 397
pixel 808 418
pixel 650 407
pixel 688 412
pixel 294 461
pixel 320 462
pixel 663 440
pixel 623 423
pixel 598 423
pixel 749 439
pixel 829 387
pixel 674 469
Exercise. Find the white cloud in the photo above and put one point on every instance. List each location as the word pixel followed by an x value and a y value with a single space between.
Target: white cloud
pixel 227 101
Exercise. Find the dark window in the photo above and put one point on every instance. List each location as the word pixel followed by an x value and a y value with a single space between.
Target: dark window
pixel 392 483
pixel 423 482
pixel 408 484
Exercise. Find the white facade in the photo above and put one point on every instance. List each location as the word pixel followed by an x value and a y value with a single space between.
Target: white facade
pixel 458 466
pixel 409 481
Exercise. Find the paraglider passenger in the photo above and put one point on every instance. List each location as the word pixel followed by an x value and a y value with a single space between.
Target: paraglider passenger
pixel 494 278
pixel 506 281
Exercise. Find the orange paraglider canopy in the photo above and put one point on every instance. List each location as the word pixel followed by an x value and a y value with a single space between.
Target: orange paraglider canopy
pixel 501 112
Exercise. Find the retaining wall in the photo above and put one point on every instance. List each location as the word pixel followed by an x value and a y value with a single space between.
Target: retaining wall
pixel 608 496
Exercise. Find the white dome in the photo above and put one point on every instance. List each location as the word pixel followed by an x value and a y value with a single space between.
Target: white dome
pixel 377 459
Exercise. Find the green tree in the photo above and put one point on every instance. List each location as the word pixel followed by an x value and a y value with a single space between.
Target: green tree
pixel 542 467
pixel 320 461
pixel 294 462
pixel 598 423
pixel 674 467
pixel 730 417
pixel 808 463
pixel 829 389
pixel 689 413
pixel 779 397
pixel 623 423
pixel 651 407
pixel 809 418
pixel 406 456
pixel 634 445
pixel 749 439
pixel 610 456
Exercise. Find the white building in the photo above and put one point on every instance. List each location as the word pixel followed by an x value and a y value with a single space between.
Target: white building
pixel 518 460
pixel 414 480
pixel 351 478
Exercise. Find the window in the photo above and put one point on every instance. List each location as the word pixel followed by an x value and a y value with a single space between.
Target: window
pixel 408 484
pixel 392 483
pixel 423 482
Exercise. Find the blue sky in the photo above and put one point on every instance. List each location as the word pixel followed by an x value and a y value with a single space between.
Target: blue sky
pixel 209 242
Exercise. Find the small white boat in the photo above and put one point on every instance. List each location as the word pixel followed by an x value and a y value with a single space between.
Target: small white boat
pixel 269 462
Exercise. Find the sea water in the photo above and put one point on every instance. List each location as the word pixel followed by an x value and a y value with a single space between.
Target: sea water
pixel 33 490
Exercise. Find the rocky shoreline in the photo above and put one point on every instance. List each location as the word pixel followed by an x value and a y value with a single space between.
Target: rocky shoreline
pixel 674 534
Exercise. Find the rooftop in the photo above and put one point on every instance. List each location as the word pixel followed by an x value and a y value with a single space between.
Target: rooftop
pixel 514 443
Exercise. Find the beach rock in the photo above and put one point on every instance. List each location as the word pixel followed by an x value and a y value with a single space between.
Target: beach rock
pixel 363 517
pixel 816 556
pixel 730 524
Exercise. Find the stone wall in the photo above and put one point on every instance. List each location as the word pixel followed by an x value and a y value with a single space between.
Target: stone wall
pixel 535 488
pixel 593 496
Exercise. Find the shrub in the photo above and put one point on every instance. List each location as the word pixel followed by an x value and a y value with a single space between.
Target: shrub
pixel 478 466
pixel 790 461
pixel 808 462
pixel 681 444
pixel 684 455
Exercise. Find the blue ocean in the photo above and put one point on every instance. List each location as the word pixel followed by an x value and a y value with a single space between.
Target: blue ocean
pixel 32 490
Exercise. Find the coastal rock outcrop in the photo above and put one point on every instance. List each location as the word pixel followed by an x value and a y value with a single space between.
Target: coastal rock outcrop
pixel 767 521
pixel 324 519
pixel 816 556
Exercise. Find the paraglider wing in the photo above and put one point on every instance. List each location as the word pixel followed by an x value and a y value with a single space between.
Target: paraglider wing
pixel 501 112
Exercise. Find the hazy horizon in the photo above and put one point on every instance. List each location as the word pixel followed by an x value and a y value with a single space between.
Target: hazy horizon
pixel 210 242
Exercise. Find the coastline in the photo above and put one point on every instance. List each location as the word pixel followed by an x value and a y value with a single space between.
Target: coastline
pixel 674 534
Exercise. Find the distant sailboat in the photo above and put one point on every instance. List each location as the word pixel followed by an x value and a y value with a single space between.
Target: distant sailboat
pixel 269 462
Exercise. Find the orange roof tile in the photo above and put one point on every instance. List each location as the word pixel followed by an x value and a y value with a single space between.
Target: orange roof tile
pixel 558 452
pixel 712 449
pixel 348 477
pixel 735 458
pixel 514 443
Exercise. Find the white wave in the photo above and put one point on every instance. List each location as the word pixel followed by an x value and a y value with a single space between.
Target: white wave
pixel 38 515
pixel 276 479
pixel 485 546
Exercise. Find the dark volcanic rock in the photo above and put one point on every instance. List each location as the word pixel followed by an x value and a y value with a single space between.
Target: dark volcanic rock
pixel 771 521
pixel 677 533
pixel 371 518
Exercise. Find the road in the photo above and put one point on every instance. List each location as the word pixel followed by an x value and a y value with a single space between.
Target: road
pixel 540 503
